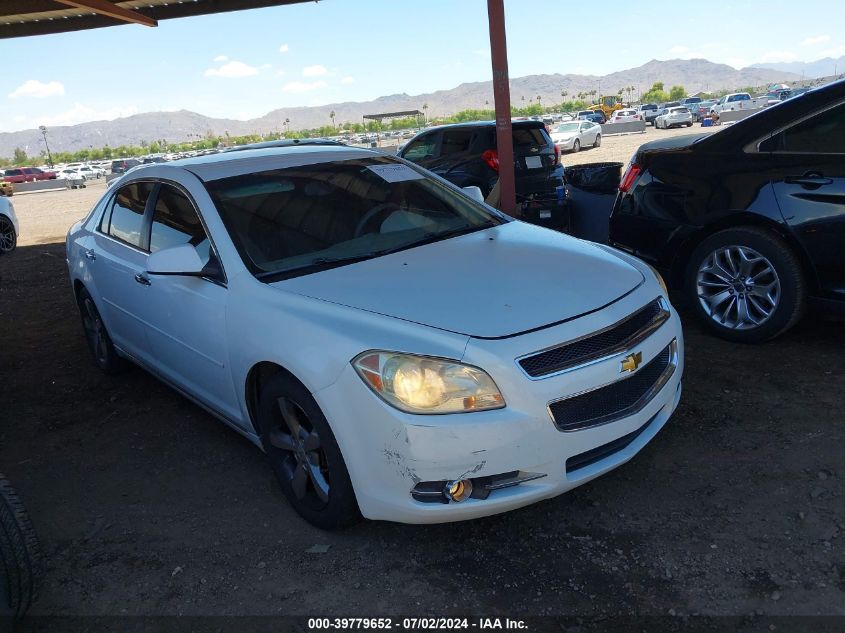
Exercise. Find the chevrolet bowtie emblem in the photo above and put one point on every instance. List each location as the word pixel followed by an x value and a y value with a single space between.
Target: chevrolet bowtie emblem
pixel 631 362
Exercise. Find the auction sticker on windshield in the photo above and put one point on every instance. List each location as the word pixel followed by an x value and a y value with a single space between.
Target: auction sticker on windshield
pixel 396 173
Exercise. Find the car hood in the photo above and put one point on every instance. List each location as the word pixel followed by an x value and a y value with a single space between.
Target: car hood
pixel 493 283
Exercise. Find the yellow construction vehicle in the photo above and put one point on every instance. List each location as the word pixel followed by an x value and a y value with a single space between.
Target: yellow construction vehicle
pixel 607 105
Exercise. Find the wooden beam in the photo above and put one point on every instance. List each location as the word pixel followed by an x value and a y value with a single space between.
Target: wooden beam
pixel 103 7
pixel 502 99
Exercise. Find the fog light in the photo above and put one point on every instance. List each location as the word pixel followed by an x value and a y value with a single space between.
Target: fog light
pixel 458 491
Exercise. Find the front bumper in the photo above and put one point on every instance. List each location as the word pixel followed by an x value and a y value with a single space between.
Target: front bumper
pixel 388 452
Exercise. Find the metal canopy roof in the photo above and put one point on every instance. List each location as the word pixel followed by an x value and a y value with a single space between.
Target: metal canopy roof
pixel 20 18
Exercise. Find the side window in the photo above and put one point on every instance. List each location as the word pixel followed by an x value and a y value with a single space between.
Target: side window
pixel 126 217
pixel 175 222
pixel 821 134
pixel 421 148
pixel 455 141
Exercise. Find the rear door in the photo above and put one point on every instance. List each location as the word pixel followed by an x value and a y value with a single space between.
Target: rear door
pixel 809 183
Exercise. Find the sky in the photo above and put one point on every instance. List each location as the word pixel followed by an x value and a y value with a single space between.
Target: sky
pixel 243 64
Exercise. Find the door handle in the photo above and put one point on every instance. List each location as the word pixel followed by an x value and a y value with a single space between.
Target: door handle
pixel 90 254
pixel 810 180
pixel 142 279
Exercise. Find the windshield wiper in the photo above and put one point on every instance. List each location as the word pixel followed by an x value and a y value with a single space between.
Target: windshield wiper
pixel 315 265
pixel 430 238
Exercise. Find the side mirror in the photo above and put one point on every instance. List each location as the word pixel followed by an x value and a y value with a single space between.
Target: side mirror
pixel 474 193
pixel 176 260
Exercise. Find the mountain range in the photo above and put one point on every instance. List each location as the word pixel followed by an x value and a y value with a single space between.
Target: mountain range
pixel 818 68
pixel 694 74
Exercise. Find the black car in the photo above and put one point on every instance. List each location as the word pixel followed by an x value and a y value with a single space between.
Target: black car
pixel 749 222
pixel 466 155
pixel 123 165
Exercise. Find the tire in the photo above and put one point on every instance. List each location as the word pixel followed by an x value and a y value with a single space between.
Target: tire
pixel 311 472
pixel 689 124
pixel 598 141
pixel 99 342
pixel 20 555
pixel 8 237
pixel 576 146
pixel 756 274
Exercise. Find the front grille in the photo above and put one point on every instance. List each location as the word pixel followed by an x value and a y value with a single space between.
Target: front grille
pixel 612 340
pixel 616 400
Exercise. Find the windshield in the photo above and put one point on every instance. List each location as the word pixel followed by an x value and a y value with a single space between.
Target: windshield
pixel 298 220
pixel 567 127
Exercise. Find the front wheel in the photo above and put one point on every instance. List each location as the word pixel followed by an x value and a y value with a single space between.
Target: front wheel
pixel 746 285
pixel 304 455
pixel 598 141
pixel 99 341
pixel 576 146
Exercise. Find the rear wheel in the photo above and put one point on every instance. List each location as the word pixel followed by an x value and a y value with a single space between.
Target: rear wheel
pixel 598 141
pixel 576 146
pixel 8 237
pixel 746 284
pixel 304 454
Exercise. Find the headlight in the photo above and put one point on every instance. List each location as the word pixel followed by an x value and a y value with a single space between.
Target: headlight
pixel 659 279
pixel 422 384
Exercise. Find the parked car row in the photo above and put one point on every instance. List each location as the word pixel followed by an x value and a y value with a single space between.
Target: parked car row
pixel 27 174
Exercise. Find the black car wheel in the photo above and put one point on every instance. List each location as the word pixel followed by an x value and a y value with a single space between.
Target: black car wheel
pixel 8 237
pixel 304 454
pixel 576 146
pixel 99 341
pixel 746 284
pixel 598 141
pixel 20 556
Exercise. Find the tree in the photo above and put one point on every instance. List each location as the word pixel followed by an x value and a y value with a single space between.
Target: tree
pixel 655 94
pixel 676 93
pixel 20 157
pixel 331 116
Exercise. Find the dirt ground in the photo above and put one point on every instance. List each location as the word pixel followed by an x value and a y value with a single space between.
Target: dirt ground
pixel 147 505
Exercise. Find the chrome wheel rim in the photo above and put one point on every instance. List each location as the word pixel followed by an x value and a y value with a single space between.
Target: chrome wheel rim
pixel 738 288
pixel 7 235
pixel 304 463
pixel 95 331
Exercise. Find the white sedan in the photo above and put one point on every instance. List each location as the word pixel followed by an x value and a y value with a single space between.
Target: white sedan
pixel 572 136
pixel 74 176
pixel 625 116
pixel 9 228
pixel 399 350
pixel 92 172
pixel 674 117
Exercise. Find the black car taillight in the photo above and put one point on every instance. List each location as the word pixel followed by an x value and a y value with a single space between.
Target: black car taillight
pixel 631 174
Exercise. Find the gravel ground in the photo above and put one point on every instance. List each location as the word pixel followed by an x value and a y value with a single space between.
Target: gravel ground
pixel 147 505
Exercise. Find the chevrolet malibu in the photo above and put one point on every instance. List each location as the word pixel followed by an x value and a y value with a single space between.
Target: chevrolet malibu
pixel 398 350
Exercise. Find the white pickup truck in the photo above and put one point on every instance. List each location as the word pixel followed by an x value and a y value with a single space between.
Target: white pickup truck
pixel 739 101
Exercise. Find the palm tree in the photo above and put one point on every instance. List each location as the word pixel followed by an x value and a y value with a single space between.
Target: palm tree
pixel 425 110
pixel 538 101
pixel 331 116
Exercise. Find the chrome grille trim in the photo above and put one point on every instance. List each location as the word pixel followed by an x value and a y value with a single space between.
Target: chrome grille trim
pixel 659 306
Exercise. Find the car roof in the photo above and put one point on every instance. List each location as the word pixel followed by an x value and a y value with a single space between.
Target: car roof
pixel 246 161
